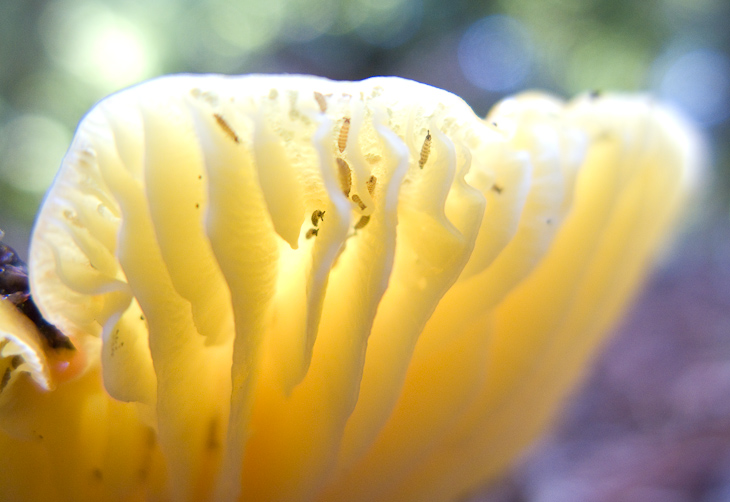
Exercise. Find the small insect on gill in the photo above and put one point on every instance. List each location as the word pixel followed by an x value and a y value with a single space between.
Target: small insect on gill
pixel 344 131
pixel 425 150
pixel 370 184
pixel 345 176
pixel 317 216
pixel 357 200
pixel 226 128
pixel 321 101
pixel 362 222
pixel 312 232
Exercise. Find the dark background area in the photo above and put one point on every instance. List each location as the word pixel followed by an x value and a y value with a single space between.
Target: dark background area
pixel 652 422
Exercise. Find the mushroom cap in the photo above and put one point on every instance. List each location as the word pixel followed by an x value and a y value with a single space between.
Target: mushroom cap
pixel 328 290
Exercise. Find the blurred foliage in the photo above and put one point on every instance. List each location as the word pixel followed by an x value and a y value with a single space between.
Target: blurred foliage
pixel 58 57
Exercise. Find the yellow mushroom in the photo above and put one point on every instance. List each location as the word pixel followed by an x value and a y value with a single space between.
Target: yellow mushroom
pixel 219 359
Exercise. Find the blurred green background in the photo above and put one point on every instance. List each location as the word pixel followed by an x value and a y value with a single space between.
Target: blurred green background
pixel 57 58
pixel 653 421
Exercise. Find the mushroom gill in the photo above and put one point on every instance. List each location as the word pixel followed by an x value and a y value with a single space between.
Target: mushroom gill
pixel 288 288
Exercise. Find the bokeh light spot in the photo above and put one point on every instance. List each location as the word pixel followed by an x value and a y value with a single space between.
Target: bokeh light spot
pixel 698 82
pixel 309 19
pixel 385 23
pixel 248 25
pixel 31 148
pixel 606 60
pixel 96 44
pixel 496 53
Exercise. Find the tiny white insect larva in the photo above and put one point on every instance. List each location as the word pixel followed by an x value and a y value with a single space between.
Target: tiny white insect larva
pixel 321 101
pixel 312 232
pixel 317 216
pixel 226 128
pixel 345 176
pixel 357 200
pixel 362 222
pixel 425 150
pixel 344 131
pixel 371 182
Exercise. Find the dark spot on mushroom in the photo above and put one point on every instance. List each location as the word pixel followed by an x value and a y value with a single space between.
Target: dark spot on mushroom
pixel 97 474
pixel 497 188
pixel 226 128
pixel 15 362
pixel 5 380
pixel 212 442
pixel 151 438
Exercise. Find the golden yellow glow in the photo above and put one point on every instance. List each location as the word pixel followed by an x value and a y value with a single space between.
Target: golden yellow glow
pixel 288 288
